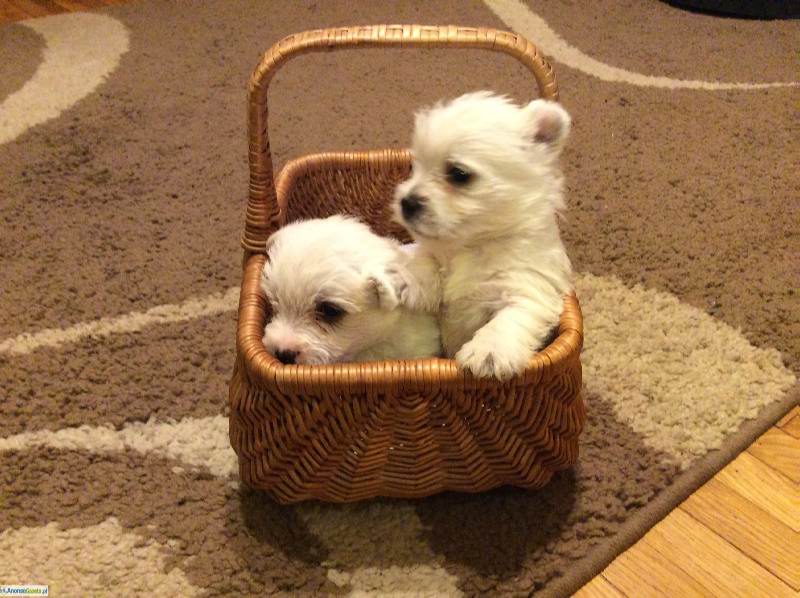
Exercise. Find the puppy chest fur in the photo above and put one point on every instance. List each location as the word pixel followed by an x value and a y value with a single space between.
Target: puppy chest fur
pixel 467 302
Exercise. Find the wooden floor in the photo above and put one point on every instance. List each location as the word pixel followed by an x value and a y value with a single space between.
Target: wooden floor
pixel 739 535
pixel 16 10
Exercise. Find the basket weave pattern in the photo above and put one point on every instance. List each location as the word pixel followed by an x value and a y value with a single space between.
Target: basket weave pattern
pixel 406 428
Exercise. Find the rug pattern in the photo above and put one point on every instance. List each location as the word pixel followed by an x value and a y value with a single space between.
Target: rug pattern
pixel 123 161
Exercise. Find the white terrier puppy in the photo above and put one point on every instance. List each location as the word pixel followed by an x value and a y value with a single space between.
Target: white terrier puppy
pixel 483 201
pixel 332 300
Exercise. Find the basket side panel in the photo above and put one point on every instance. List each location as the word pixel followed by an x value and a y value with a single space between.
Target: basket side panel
pixel 526 433
pixel 346 448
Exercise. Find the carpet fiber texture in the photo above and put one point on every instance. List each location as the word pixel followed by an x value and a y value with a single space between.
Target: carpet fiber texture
pixel 123 167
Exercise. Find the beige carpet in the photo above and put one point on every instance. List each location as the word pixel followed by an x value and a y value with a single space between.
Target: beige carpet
pixel 123 169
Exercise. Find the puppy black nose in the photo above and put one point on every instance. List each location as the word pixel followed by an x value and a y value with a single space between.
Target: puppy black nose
pixel 286 357
pixel 411 205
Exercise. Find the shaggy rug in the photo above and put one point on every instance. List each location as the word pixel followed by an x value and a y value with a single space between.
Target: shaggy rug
pixel 124 177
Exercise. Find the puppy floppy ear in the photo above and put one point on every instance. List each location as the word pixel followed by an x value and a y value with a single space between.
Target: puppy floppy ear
pixel 548 123
pixel 382 290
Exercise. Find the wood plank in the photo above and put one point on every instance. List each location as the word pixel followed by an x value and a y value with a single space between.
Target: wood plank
pixel 72 5
pixel 599 587
pixel 50 6
pixel 780 451
pixel 759 483
pixel 794 412
pixel 792 427
pixel 29 7
pixel 788 417
pixel 766 540
pixel 94 3
pixel 10 13
pixel 643 572
pixel 705 556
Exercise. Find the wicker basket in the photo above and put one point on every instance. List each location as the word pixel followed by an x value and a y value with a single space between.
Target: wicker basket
pixel 408 429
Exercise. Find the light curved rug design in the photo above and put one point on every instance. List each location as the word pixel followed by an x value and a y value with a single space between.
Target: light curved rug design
pixel 80 51
pixel 119 263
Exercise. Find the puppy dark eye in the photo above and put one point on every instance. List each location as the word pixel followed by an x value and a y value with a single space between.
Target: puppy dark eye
pixel 328 312
pixel 457 175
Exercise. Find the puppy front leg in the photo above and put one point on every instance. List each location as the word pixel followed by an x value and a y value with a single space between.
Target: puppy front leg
pixel 503 346
pixel 418 280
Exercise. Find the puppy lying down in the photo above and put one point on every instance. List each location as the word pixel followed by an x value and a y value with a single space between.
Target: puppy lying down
pixel 332 300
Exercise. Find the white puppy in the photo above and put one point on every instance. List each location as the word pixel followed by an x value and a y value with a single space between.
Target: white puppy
pixel 332 301
pixel 483 202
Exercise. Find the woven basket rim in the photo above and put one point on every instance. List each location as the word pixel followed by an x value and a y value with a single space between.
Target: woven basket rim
pixel 263 367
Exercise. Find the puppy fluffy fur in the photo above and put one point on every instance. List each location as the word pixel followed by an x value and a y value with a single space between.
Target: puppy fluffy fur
pixel 332 300
pixel 483 201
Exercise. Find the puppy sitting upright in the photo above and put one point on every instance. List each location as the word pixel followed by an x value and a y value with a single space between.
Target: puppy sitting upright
pixel 332 300
pixel 483 201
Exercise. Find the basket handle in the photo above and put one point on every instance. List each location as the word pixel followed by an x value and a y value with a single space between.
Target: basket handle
pixel 262 210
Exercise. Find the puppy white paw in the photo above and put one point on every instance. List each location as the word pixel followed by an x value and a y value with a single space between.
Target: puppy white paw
pixel 409 293
pixel 384 289
pixel 398 278
pixel 486 360
pixel 413 298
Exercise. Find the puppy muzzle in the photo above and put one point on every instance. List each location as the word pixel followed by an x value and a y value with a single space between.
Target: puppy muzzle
pixel 286 356
pixel 412 206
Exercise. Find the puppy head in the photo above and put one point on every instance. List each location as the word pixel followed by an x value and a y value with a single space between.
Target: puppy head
pixel 328 305
pixel 481 164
